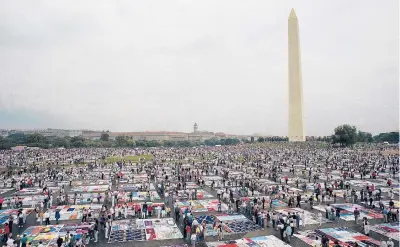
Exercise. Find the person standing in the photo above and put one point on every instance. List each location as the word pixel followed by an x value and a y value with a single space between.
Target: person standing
pixel 96 231
pixel 288 232
pixel 47 218
pixel 10 223
pixel 298 200
pixel 59 241
pixel 390 243
pixel 356 215
pixel 57 216
pixel 24 240
pixel 320 218
pixel 383 243
pixel 193 239
pixel 366 228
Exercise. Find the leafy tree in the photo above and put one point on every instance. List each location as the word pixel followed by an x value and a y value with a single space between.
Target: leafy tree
pixel 105 137
pixel 17 138
pixel 169 143
pixel 77 141
pixel 122 141
pixel 345 135
pixel 391 137
pixel 364 137
pixel 5 143
pixel 260 139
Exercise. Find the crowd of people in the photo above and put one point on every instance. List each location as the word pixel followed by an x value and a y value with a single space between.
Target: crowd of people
pixel 248 179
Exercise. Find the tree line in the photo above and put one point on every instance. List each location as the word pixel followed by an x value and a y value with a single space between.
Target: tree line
pixel 38 140
pixel 347 135
pixel 344 135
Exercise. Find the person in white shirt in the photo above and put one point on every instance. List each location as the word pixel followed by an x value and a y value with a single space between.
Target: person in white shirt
pixel 46 218
pixel 304 219
pixel 126 212
pixel 10 241
pixel 320 218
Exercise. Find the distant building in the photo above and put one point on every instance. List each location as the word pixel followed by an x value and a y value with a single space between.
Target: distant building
pixel 92 135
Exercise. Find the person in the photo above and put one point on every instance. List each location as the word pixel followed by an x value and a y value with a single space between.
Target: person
pixel 304 219
pixel 366 228
pixel 24 240
pixel 324 241
pixel 20 219
pixel 193 239
pixel 96 231
pixel 337 214
pixel 383 243
pixel 40 244
pixel 10 241
pixel 356 215
pixel 47 218
pixel 219 231
pixel 59 241
pixel 107 229
pixel 288 232
pixel 41 215
pixel 337 244
pixel 320 218
pixel 281 229
pixel 17 241
pixel 390 243
pixel 57 216
pixel 188 230
pixel 84 214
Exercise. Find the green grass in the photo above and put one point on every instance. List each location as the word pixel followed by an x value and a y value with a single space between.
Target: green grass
pixel 134 158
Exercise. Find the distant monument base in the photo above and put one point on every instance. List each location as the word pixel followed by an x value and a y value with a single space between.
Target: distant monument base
pixel 297 138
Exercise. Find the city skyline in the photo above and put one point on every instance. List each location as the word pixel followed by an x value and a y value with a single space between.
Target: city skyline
pixel 134 66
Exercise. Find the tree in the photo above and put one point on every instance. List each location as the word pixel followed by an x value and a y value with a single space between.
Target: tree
pixel 345 135
pixel 364 137
pixel 5 143
pixel 391 137
pixel 77 141
pixel 17 138
pixel 104 137
pixel 260 139
pixel 122 141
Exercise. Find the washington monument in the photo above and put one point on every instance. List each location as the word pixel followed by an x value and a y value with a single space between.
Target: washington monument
pixel 296 126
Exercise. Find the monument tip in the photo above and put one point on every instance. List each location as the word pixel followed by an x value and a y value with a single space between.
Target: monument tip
pixel 292 14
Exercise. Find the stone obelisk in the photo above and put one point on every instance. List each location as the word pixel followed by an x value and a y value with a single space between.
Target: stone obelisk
pixel 296 126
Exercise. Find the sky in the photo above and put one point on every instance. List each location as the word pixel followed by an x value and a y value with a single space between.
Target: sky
pixel 164 65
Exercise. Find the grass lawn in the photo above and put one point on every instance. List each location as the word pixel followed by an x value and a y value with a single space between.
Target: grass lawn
pixel 134 158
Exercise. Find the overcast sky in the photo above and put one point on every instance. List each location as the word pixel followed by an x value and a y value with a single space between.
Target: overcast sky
pixel 163 65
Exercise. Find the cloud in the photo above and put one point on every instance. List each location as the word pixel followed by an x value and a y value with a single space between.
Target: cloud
pixel 162 65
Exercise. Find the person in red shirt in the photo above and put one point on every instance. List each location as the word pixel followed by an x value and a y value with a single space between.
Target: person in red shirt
pixel 149 209
pixel 6 231
pixel 188 232
pixel 137 209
